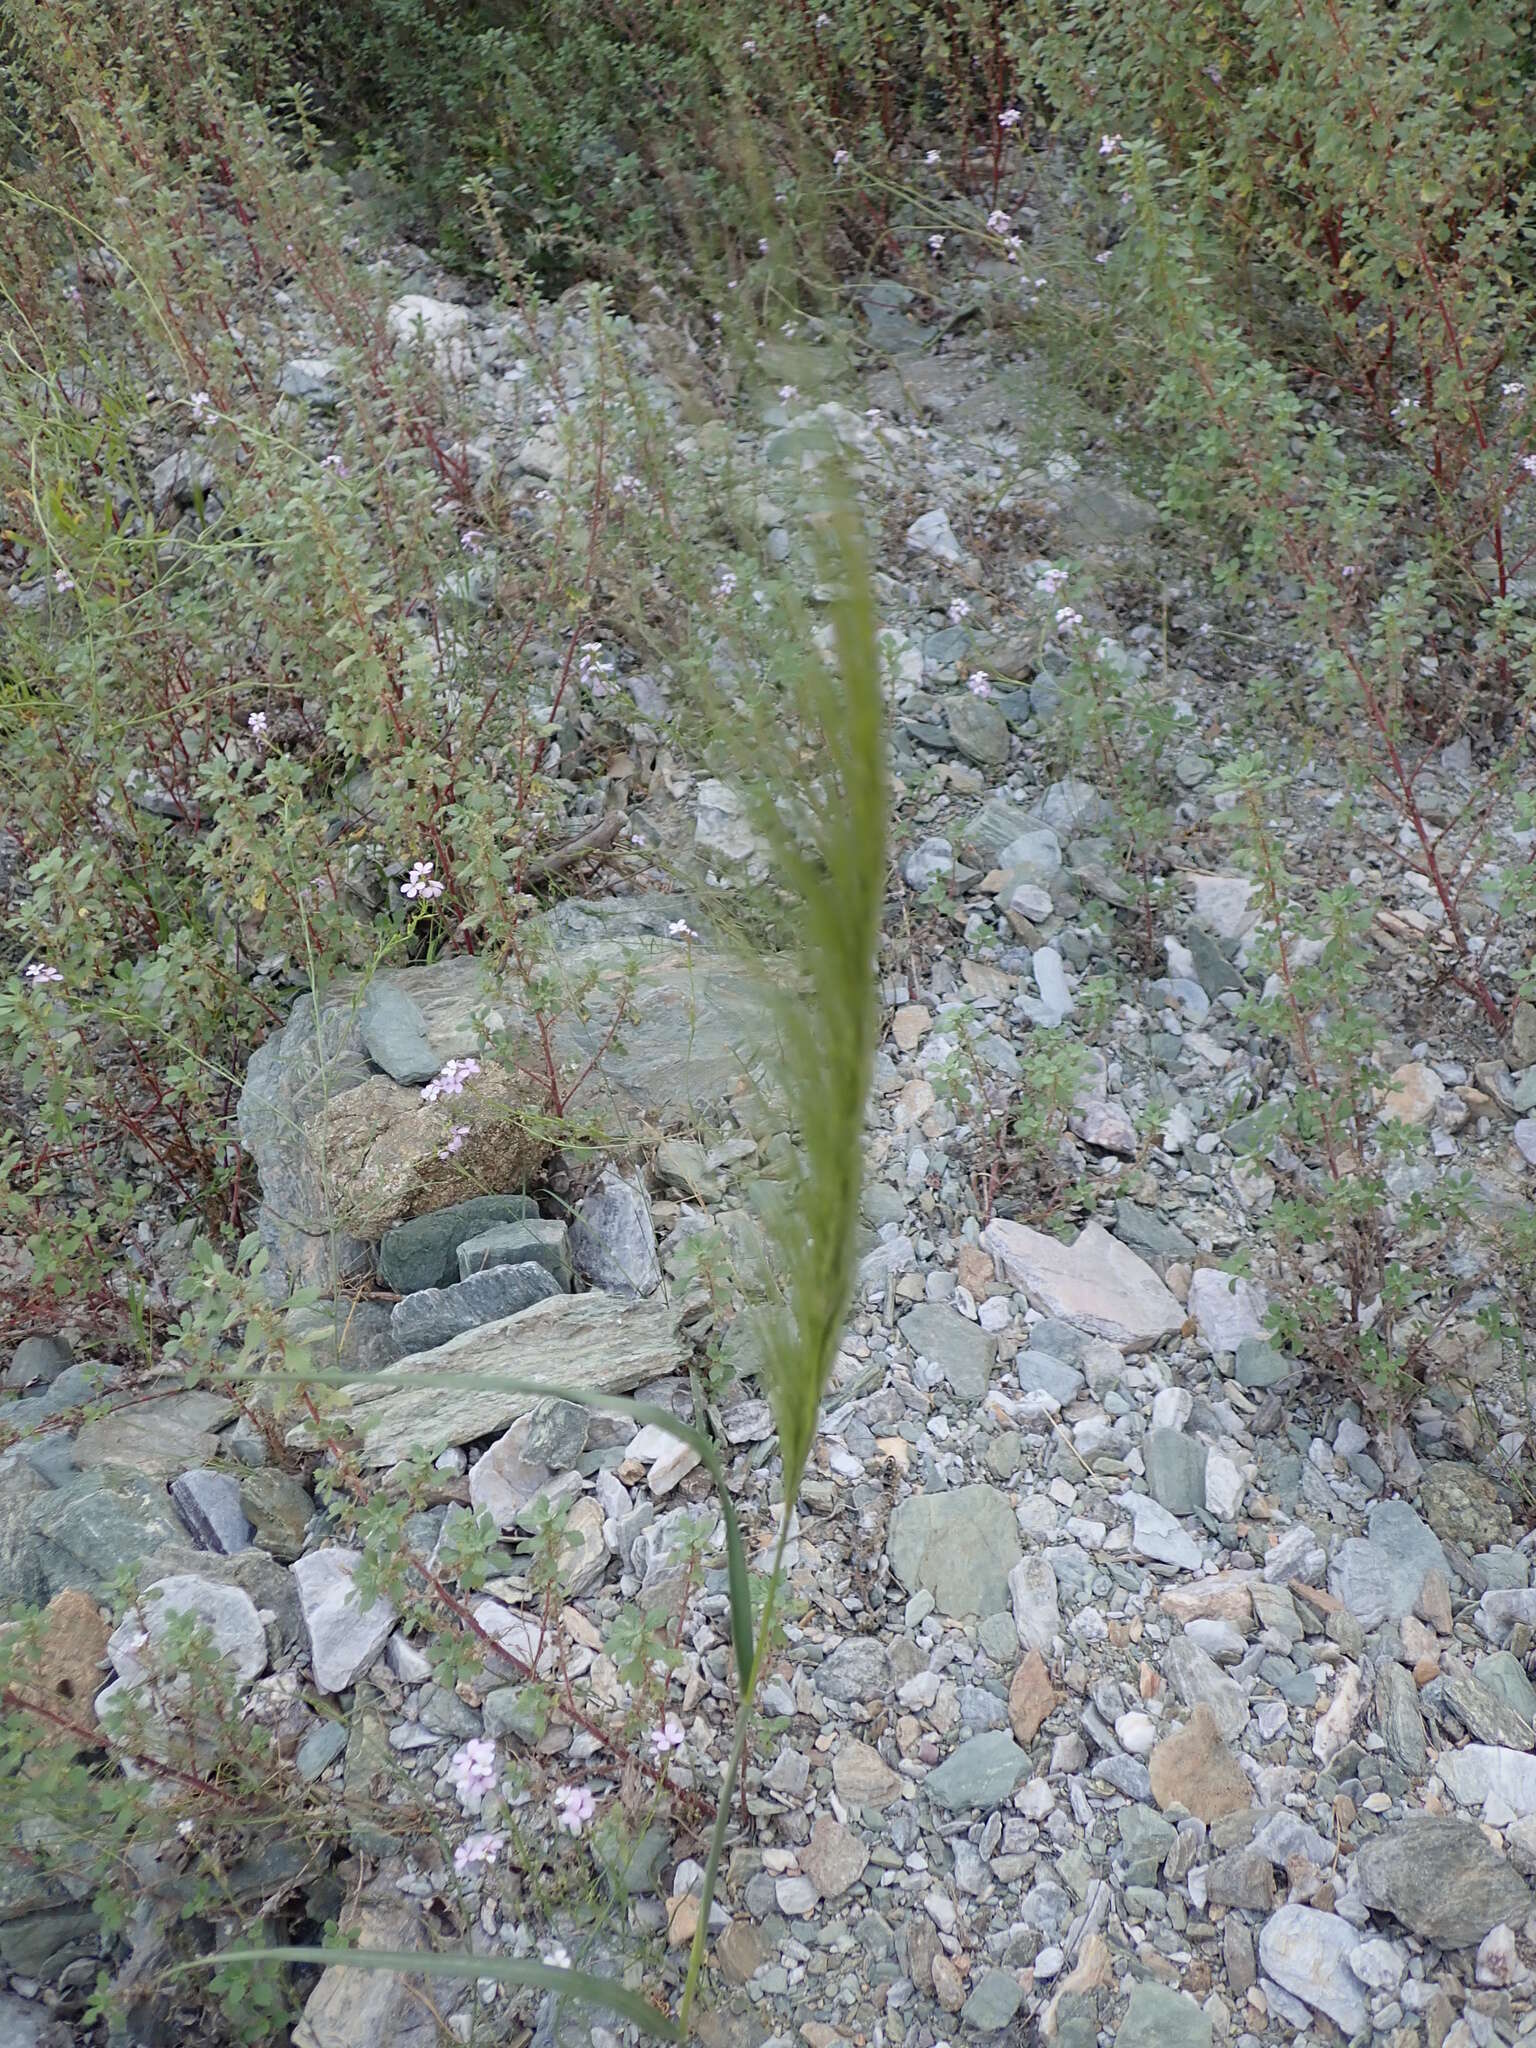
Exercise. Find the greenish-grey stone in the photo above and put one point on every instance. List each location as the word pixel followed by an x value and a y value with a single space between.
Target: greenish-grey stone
pixel 1003 1454
pixel 630 1867
pixel 963 1350
pixel 278 1509
pixel 424 1252
pixel 1148 1233
pixel 1146 1839
pixel 395 1036
pixel 539 1241
pixel 521 1710
pixel 1213 970
pixel 320 1747
pixel 1505 1675
pixel 993 2003
pixel 1175 1470
pixel 1160 2018
pixel 979 730
pixel 959 1546
pixel 999 1637
pixel 1260 1364
pixel 982 1772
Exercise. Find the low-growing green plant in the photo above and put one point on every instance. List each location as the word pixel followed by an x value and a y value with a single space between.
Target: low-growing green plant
pixel 1362 1246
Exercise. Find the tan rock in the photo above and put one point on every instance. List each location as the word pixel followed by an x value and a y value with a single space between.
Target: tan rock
pixel 68 1670
pixel 1194 1768
pixel 682 1919
pixel 740 1952
pixel 974 1270
pixel 862 1778
pixel 1412 1094
pixel 1030 1698
pixel 834 1858
pixel 385 1149
pixel 1223 1598
pixel 948 1985
pixel 910 1026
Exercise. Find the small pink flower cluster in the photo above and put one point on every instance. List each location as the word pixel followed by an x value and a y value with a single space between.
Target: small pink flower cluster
pixel 1049 580
pixel 593 670
pixel 668 1736
pixel 40 974
pixel 979 683
pixel 472 1773
pixel 451 1080
pixel 477 1849
pixel 574 1807
pixel 421 885
pixel 455 1142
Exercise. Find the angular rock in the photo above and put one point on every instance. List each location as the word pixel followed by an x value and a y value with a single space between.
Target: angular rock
pixel 1036 1614
pixel 858 1669
pixel 584 1557
pixel 1379 1577
pixel 1398 1717
pixel 424 1252
pixel 422 1321
pixel 1482 1772
pixel 1307 1953
pixel 959 1546
pixel 1412 1094
pixel 1031 1697
pixel 395 1036
pixel 209 1504
pixel 344 1635
pixel 1095 1284
pixel 1505 1675
pixel 1155 1533
pixel 1199 1681
pixel 1158 2017
pixel 1504 1609
pixel 1441 1878
pixel 613 1237
pixel 1227 1310
pixel 981 1772
pixel 158 1440
pixel 539 1241
pixel 834 1859
pixel 378 2008
pixel 279 1511
pixel 993 2002
pixel 1485 1714
pixel 965 1353
pixel 861 1777
pixel 1147 1233
pixel 225 1614
pixel 932 534
pixel 979 730
pixel 1260 1365
pixel 1193 1768
pixel 1175 1470
pixel 556 1434
pixel 388 1155
pixel 572 1342
pixel 67 1670
pixel 1037 1372
pixel 1243 1878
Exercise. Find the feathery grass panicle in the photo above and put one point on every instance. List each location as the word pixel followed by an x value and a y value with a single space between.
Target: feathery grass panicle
pixel 829 852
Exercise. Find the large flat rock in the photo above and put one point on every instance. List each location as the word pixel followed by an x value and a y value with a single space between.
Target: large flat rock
pixel 598 1343
pixel 1096 1284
